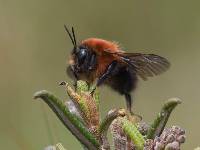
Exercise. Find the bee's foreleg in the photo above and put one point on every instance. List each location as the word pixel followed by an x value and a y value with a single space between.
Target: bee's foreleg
pixel 72 73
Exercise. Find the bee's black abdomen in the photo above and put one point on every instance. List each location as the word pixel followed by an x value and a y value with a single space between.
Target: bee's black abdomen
pixel 124 80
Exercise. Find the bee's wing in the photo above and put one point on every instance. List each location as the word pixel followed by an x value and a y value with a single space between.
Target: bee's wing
pixel 145 65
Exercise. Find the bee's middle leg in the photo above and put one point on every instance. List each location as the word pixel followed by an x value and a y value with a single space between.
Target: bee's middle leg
pixel 109 71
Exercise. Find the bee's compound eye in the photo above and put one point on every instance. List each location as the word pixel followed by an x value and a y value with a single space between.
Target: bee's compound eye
pixel 83 52
pixel 81 55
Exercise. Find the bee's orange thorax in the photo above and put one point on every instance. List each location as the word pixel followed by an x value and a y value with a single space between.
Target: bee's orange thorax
pixel 103 58
pixel 99 45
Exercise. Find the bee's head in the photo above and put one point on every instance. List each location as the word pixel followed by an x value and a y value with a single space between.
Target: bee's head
pixel 79 52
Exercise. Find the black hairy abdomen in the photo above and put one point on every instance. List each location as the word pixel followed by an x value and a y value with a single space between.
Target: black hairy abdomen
pixel 123 80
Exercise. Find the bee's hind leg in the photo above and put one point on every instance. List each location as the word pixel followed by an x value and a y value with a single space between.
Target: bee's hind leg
pixel 128 102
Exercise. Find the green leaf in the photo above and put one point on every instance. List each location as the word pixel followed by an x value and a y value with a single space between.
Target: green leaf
pixel 133 133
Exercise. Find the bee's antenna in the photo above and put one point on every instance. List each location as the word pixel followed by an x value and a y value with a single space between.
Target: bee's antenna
pixel 72 38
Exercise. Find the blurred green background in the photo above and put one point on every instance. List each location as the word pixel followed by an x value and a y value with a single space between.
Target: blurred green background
pixel 34 49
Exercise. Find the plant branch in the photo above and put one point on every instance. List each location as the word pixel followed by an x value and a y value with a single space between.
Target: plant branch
pixel 71 121
pixel 159 123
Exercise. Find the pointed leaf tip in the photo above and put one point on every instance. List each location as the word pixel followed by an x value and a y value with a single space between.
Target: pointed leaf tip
pixel 39 94
pixel 175 100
